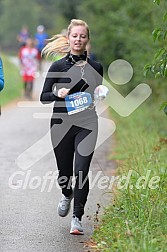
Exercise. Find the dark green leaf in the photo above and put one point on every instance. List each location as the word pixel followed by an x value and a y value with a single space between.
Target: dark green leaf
pixel 159 53
pixel 160 36
pixel 152 69
pixel 157 75
pixel 163 105
pixel 157 2
pixel 164 34
pixel 165 17
pixel 165 109
pixel 156 32
pixel 165 72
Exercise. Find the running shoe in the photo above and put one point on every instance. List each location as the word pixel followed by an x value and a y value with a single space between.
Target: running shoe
pixel 76 226
pixel 64 205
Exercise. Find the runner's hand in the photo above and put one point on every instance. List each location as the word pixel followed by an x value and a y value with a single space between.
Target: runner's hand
pixel 63 92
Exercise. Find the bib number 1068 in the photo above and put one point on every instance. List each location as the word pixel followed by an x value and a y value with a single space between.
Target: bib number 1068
pixel 79 102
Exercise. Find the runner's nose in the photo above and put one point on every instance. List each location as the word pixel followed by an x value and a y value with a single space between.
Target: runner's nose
pixel 78 38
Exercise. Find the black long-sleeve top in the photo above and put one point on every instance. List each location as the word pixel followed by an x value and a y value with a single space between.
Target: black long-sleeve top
pixel 65 74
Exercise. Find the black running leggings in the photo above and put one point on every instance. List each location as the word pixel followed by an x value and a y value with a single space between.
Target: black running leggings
pixel 73 147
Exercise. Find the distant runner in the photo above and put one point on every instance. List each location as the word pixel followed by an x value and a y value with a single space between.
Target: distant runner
pixel 23 36
pixel 28 56
pixel 40 37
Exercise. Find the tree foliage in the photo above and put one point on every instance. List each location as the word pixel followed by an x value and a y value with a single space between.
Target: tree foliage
pixel 159 65
pixel 119 29
pixel 122 30
pixel 54 15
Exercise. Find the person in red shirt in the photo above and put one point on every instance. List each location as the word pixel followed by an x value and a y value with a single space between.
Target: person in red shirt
pixel 28 56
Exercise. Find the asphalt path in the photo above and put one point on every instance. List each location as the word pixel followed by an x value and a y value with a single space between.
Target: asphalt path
pixel 28 201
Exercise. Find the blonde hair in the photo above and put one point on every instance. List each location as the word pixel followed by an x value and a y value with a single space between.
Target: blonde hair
pixel 58 44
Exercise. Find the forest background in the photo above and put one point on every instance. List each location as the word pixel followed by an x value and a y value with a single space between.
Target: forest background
pixel 119 29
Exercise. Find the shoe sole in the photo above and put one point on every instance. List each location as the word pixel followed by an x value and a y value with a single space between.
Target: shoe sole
pixel 76 232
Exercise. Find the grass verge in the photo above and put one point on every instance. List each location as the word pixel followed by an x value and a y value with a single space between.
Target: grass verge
pixel 137 219
pixel 13 83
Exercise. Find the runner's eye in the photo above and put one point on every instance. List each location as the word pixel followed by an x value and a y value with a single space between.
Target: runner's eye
pixel 81 36
pixel 74 35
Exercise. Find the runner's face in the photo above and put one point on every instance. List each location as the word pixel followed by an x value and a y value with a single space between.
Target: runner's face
pixel 29 42
pixel 78 39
